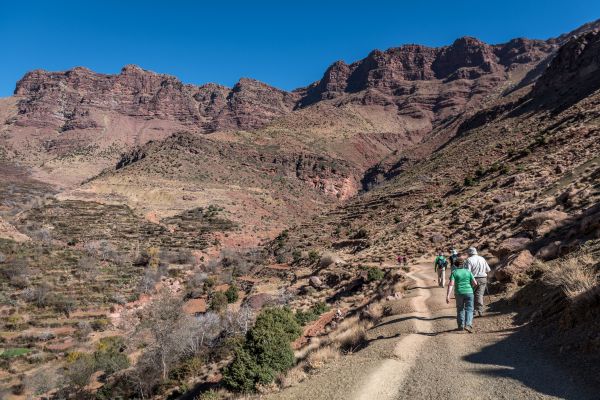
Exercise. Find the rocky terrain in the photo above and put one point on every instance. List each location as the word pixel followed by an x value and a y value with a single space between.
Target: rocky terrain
pixel 117 189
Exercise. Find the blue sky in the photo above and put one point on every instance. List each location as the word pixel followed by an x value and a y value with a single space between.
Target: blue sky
pixel 284 43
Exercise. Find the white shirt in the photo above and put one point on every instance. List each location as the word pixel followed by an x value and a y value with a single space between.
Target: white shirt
pixel 478 266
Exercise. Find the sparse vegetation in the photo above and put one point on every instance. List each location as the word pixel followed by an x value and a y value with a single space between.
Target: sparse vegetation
pixel 304 317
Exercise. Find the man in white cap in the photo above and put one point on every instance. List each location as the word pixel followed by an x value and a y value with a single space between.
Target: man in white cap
pixel 479 268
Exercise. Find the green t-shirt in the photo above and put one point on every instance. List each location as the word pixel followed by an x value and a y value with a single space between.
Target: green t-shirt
pixel 462 281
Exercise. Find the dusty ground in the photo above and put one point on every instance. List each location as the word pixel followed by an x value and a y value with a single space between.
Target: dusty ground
pixel 415 354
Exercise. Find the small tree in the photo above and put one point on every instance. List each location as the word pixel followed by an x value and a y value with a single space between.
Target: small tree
pixel 232 294
pixel 266 351
pixel 218 302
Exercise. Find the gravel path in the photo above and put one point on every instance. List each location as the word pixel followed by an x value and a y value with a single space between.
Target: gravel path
pixel 417 355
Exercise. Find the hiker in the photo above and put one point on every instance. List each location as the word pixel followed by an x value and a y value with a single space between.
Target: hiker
pixel 463 282
pixel 402 260
pixel 439 266
pixel 479 268
pixel 453 259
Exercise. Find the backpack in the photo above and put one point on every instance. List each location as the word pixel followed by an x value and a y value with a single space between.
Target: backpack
pixel 442 262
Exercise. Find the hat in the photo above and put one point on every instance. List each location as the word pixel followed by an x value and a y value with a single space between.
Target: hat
pixel 454 252
pixel 472 251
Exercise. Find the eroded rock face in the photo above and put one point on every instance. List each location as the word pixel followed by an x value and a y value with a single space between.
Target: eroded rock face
pixel 574 72
pixel 514 265
pixel 435 79
pixel 73 99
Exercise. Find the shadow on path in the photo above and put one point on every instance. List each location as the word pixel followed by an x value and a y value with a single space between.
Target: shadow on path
pixel 422 287
pixel 402 319
pixel 514 358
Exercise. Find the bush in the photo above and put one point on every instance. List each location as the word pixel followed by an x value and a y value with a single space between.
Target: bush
pixel 62 304
pixel 100 324
pixel 469 181
pixel 218 302
pixel 109 356
pixel 296 256
pixel 265 353
pixel 304 317
pixel 313 256
pixel 232 294
pixel 374 274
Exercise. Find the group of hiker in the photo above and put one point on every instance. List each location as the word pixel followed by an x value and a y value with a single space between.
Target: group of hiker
pixel 468 278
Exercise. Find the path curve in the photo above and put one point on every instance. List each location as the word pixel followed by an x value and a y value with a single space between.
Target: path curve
pixel 416 354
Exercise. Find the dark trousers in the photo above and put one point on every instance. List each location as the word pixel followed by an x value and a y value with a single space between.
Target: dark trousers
pixel 479 292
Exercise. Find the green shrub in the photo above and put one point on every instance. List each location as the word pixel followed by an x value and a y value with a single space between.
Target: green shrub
pixel 109 356
pixel 218 302
pixel 232 294
pixel 374 274
pixel 100 324
pixel 313 256
pixel 266 351
pixel 469 181
pixel 296 255
pixel 304 317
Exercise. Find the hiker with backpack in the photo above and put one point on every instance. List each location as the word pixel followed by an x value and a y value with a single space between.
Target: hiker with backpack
pixel 453 259
pixel 479 268
pixel 439 265
pixel 463 282
pixel 456 261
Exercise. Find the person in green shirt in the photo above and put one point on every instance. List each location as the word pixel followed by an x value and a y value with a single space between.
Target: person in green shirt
pixel 463 282
pixel 439 266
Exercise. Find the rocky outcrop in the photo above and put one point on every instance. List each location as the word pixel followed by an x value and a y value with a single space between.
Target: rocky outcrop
pixel 400 73
pixel 573 73
pixel 513 266
pixel 75 99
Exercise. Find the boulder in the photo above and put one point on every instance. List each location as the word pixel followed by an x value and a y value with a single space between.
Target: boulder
pixel 514 265
pixel 511 246
pixel 315 282
pixel 550 251
pixel 329 258
pixel 544 222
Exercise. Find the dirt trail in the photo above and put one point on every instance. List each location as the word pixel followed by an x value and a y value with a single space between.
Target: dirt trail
pixel 417 355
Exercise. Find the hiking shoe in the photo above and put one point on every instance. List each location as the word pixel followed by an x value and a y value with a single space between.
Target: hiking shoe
pixel 460 328
pixel 469 328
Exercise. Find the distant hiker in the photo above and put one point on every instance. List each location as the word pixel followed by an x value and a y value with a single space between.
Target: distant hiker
pixel 453 259
pixel 439 265
pixel 402 260
pixel 479 268
pixel 463 281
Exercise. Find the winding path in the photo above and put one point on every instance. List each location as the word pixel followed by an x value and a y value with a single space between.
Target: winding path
pixel 416 354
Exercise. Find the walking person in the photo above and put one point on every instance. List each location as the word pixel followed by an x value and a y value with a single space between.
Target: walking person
pixel 463 282
pixel 439 266
pixel 454 259
pixel 480 269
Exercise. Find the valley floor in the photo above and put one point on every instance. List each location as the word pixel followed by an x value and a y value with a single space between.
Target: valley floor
pixel 415 354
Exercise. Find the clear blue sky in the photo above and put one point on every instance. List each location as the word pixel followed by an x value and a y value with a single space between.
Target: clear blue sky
pixel 284 43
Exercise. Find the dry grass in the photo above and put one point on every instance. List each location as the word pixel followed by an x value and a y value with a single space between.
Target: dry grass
pixel 575 275
pixel 315 343
pixel 293 376
pixel 374 311
pixel 351 338
pixel 318 358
